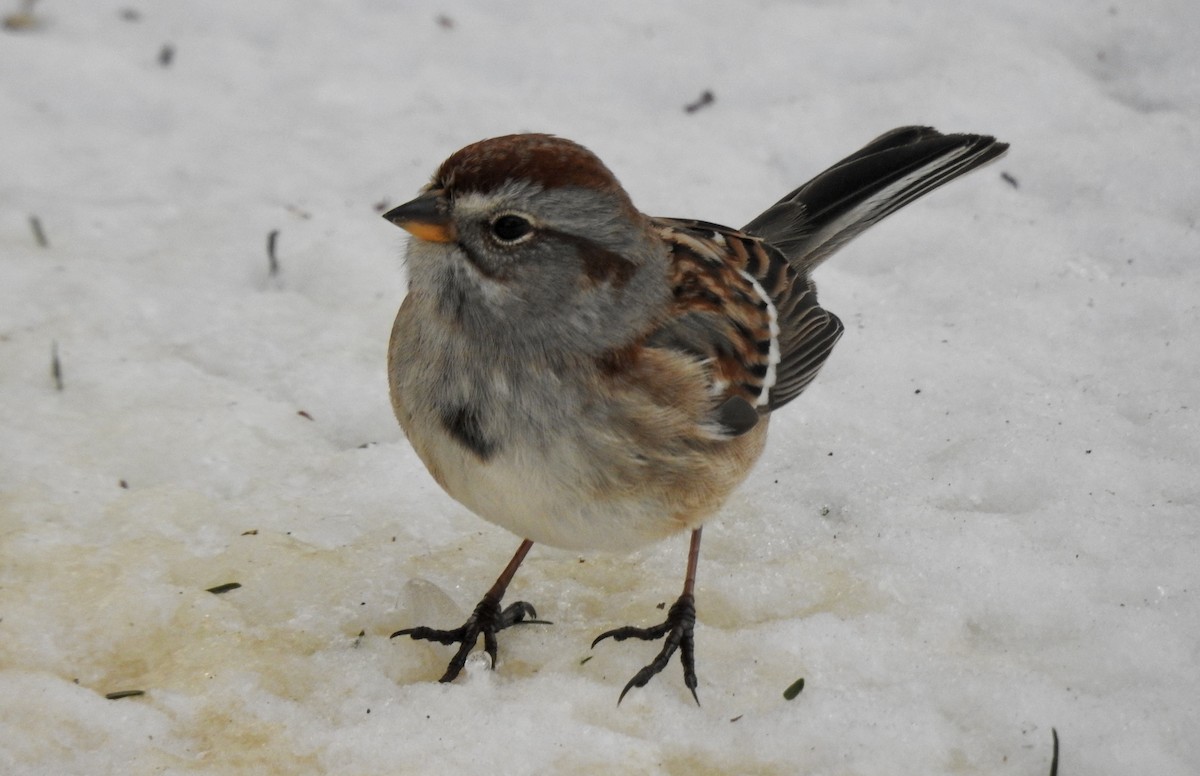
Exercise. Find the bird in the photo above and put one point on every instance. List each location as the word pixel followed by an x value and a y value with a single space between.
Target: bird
pixel 589 377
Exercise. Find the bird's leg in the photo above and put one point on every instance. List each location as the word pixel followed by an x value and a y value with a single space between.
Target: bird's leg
pixel 488 619
pixel 675 631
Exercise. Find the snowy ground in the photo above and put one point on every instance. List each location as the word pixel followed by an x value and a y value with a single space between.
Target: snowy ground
pixel 979 523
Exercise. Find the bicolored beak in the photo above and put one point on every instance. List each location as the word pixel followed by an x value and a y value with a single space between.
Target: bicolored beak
pixel 425 218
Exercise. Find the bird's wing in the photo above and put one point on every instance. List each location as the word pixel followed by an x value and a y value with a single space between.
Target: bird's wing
pixel 744 311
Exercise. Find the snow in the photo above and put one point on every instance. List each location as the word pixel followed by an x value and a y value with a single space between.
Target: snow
pixel 978 524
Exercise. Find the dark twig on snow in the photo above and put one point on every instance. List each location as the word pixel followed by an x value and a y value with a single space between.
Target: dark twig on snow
pixel 705 99
pixel 272 261
pixel 56 372
pixel 39 234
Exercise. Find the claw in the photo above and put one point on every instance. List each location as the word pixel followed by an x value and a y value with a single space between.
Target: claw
pixel 677 630
pixel 487 620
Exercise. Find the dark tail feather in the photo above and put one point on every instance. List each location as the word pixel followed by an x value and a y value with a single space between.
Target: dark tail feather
pixel 892 170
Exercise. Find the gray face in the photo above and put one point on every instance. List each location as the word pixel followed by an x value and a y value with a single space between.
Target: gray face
pixel 571 269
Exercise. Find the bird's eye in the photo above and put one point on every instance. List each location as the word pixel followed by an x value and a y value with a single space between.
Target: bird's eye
pixel 511 228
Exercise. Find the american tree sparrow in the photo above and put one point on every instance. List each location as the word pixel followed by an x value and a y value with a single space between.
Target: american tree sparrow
pixel 590 377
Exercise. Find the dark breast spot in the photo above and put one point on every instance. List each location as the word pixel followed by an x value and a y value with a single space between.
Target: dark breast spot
pixel 466 426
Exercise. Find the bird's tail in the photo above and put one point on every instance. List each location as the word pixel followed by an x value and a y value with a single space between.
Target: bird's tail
pixel 892 170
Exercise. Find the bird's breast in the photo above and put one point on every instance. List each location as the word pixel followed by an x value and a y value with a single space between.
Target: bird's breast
pixel 560 455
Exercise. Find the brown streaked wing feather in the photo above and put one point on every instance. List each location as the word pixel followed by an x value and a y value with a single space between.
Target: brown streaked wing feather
pixel 807 332
pixel 720 316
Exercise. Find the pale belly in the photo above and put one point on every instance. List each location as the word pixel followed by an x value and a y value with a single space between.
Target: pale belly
pixel 556 497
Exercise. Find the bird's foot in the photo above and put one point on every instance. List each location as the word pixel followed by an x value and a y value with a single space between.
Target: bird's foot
pixel 676 633
pixel 488 619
